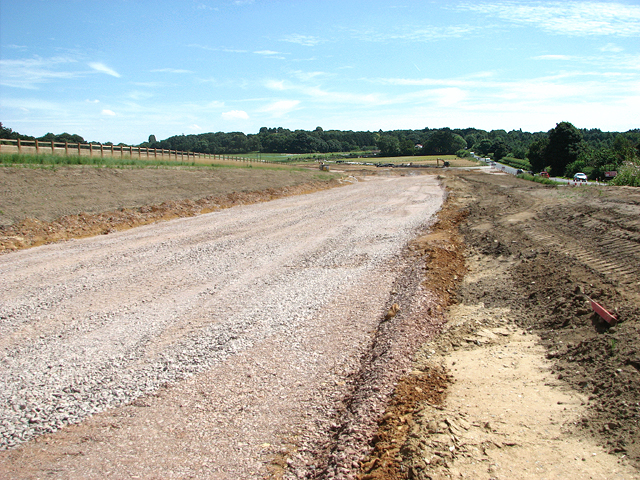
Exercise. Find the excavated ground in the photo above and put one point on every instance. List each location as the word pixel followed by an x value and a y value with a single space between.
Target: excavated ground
pixel 521 361
pixel 525 381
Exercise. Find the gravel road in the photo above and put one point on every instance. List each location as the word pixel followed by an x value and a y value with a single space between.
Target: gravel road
pixel 209 343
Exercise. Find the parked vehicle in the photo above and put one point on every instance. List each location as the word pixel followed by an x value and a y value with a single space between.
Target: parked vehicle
pixel 544 174
pixel 580 177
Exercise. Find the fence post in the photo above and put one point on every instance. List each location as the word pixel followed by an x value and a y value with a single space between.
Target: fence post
pixel 79 150
pixel 66 148
pixel 53 148
pixel 37 151
pixel 101 151
pixel 90 150
pixel 19 146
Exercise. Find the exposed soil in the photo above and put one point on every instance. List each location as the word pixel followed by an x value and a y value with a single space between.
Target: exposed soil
pixel 539 385
pixel 524 379
pixel 39 206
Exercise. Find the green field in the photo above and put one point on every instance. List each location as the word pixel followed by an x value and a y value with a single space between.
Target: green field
pixel 51 161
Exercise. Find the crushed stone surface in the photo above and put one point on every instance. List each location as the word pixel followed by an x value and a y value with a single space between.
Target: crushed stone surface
pixel 202 347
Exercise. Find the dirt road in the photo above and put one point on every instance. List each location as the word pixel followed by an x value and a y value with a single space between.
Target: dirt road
pixel 516 376
pixel 215 342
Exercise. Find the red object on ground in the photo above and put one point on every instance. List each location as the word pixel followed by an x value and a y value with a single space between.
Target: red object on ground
pixel 604 314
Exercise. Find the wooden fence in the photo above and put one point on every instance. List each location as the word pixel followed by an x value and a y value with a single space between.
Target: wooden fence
pixel 115 151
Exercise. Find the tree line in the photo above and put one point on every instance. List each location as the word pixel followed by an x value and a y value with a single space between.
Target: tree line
pixel 563 150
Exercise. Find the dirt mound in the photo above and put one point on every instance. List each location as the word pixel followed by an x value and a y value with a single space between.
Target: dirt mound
pixel 33 231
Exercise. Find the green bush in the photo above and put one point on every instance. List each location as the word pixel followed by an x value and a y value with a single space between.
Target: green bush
pixel 628 174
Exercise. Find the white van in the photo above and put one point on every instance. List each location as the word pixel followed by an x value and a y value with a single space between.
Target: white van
pixel 579 177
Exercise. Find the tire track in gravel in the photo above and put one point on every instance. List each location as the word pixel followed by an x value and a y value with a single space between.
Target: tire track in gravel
pixel 201 346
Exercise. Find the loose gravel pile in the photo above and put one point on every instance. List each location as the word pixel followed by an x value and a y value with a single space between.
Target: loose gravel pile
pixel 273 305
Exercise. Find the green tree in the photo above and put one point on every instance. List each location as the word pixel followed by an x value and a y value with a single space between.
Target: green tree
pixel 500 149
pixel 536 154
pixel 565 145
pixel 152 139
pixel 389 146
pixel 407 147
pixel 483 147
pixel 443 142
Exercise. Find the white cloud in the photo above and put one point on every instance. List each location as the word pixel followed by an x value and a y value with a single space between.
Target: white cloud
pixel 267 52
pixel 553 57
pixel 416 34
pixel 567 18
pixel 30 72
pixel 195 127
pixel 611 47
pixel 216 49
pixel 281 108
pixel 139 95
pixel 92 101
pixel 306 76
pixel 305 40
pixel 102 68
pixel 108 113
pixel 275 85
pixel 235 115
pixel 171 70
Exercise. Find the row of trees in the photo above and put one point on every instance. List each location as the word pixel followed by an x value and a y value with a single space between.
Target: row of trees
pixel 563 150
pixel 444 141
pixel 566 150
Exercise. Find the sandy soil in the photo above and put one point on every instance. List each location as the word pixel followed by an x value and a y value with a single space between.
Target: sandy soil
pixel 523 380
pixel 535 384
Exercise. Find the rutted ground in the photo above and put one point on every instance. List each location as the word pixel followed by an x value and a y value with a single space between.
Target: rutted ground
pixel 539 386
pixel 505 277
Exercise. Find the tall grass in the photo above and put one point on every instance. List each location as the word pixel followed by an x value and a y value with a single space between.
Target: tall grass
pixel 52 161
pixel 538 179
pixel 63 160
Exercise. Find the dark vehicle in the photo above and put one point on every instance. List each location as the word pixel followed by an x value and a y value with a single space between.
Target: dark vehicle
pixel 519 172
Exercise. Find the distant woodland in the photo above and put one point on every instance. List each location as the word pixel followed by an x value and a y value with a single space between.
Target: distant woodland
pixel 563 150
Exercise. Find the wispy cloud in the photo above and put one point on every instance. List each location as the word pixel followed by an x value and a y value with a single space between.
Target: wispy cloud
pixel 306 76
pixel 611 47
pixel 566 18
pixel 281 108
pixel 108 113
pixel 553 57
pixel 216 49
pixel 102 68
pixel 31 72
pixel 235 115
pixel 140 95
pixel 267 52
pixel 415 34
pixel 171 70
pixel 305 40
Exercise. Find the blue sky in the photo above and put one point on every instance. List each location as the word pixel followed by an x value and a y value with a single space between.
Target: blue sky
pixel 121 70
